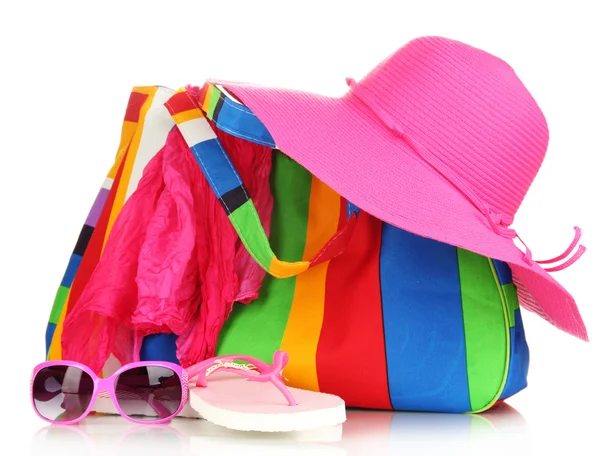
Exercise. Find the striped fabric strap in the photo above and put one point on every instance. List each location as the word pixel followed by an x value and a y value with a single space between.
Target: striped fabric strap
pixel 191 115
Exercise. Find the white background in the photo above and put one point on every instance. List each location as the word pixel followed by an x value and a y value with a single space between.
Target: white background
pixel 67 68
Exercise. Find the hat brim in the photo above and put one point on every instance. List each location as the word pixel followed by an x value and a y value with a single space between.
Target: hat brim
pixel 345 146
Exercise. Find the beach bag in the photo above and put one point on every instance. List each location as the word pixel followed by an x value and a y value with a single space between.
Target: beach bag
pixel 382 317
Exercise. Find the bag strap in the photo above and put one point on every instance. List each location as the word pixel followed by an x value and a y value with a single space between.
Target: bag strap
pixel 191 115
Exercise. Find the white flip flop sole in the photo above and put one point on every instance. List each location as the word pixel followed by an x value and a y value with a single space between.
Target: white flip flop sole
pixel 233 402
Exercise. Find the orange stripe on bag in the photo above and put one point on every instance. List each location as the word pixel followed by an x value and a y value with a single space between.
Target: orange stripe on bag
pixel 303 329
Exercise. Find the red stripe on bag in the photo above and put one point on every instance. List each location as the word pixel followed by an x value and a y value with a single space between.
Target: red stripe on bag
pixel 337 244
pixel 93 252
pixel 134 106
pixel 181 102
pixel 351 359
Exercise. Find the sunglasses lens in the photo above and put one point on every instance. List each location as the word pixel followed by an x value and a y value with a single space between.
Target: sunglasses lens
pixel 62 393
pixel 147 392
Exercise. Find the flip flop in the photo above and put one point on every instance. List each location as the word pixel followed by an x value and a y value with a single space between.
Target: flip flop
pixel 253 396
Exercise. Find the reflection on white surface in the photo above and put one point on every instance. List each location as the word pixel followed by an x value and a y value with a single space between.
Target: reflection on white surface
pixel 499 431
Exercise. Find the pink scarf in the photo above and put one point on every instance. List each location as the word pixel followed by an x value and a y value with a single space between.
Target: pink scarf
pixel 172 263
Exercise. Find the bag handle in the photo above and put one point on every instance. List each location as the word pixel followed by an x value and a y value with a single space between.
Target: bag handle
pixel 190 114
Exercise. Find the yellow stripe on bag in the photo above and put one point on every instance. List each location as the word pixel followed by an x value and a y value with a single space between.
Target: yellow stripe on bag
pixel 303 328
pixel 127 132
pixel 187 115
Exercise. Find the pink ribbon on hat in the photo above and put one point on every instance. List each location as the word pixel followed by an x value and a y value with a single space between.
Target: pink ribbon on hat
pixel 499 223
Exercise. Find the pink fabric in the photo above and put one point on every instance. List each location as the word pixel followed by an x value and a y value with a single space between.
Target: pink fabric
pixel 172 263
pixel 440 139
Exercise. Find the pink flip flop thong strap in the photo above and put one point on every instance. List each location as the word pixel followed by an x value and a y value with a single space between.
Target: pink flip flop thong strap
pixel 255 371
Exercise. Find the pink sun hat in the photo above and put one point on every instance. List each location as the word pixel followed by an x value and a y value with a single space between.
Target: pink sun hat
pixel 440 139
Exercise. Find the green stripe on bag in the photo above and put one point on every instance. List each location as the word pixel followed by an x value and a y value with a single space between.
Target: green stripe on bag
pixel 59 302
pixel 485 328
pixel 212 102
pixel 250 329
pixel 247 224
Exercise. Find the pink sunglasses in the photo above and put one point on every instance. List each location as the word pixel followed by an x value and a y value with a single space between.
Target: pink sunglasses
pixel 64 392
pixel 144 392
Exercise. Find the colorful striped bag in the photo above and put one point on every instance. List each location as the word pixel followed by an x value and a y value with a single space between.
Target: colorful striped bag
pixel 379 316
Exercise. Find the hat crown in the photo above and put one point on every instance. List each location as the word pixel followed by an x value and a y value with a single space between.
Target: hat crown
pixel 463 110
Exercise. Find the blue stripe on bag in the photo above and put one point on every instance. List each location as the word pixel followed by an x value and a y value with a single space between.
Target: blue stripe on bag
pixel 159 347
pixel 516 379
pixel 49 335
pixel 220 173
pixel 238 120
pixel 72 268
pixel 503 271
pixel 424 329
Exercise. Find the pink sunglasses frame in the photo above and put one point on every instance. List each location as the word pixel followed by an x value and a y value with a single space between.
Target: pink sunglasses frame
pixel 263 372
pixel 108 385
